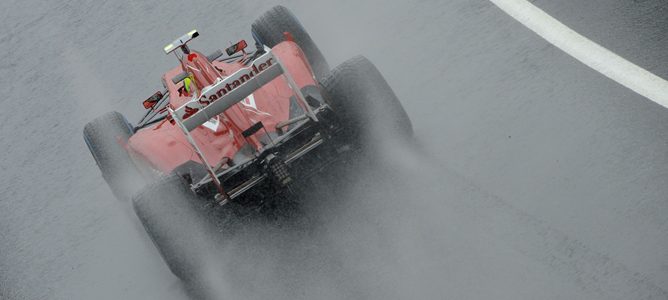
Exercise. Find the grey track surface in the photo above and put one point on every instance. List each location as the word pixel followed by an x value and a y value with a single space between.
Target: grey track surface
pixel 539 178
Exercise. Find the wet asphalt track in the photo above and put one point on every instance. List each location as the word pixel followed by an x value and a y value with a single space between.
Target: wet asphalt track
pixel 539 178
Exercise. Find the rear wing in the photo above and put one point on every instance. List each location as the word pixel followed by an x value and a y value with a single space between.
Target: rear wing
pixel 220 96
pixel 227 92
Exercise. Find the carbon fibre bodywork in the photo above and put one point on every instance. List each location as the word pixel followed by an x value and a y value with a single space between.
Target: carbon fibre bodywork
pixel 281 130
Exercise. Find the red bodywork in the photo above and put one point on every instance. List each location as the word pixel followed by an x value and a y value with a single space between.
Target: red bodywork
pixel 164 147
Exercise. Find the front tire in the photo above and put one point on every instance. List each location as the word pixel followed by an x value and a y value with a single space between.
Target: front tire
pixel 269 29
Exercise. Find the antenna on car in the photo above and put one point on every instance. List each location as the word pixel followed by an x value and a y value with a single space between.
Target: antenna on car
pixel 182 43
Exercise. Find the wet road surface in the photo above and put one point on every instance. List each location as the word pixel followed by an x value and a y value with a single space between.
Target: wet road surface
pixel 537 178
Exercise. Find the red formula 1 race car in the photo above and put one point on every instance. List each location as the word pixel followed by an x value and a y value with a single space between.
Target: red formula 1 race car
pixel 240 127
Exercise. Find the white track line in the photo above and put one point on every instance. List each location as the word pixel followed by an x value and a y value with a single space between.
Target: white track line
pixel 588 52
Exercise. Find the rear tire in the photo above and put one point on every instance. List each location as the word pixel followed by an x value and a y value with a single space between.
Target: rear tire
pixel 175 220
pixel 365 104
pixel 269 29
pixel 105 137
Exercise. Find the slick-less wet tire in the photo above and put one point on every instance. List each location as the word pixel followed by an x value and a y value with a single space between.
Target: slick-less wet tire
pixel 105 137
pixel 269 29
pixel 176 221
pixel 365 104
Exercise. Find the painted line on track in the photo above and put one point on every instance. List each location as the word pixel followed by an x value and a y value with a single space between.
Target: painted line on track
pixel 586 51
